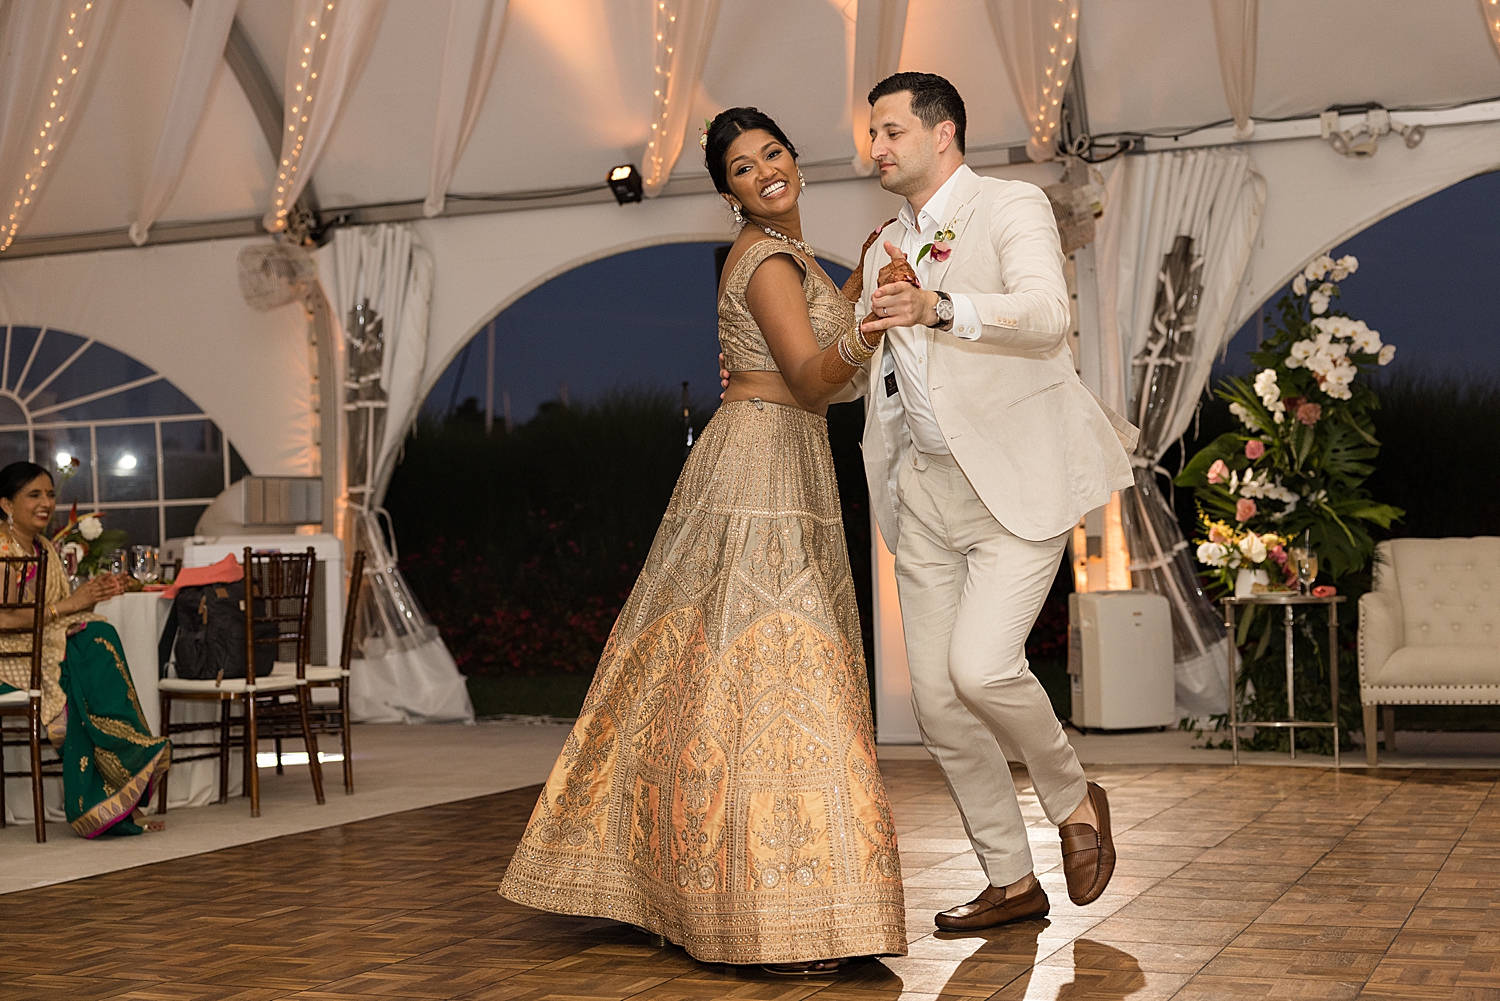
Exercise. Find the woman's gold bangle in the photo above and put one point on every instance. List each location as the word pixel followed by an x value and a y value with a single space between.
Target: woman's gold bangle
pixel 853 349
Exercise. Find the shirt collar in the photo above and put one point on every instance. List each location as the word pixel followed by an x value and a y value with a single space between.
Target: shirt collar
pixel 934 212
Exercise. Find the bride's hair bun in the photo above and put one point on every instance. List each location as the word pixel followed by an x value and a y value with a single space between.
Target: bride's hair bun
pixel 728 126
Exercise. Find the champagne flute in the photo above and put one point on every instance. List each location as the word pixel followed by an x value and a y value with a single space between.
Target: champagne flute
pixel 1307 568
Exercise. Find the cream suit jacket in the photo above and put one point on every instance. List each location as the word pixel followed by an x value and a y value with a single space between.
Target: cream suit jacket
pixel 1040 449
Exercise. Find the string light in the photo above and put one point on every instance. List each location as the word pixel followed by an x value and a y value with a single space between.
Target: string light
pixel 1056 73
pixel 664 26
pixel 297 102
pixel 1492 21
pixel 41 151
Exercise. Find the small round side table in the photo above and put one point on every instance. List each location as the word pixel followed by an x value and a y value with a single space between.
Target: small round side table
pixel 1289 600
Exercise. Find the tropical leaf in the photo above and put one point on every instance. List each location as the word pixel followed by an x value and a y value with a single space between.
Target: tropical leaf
pixel 1227 446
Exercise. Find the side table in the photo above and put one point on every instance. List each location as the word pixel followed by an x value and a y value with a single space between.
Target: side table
pixel 1289 600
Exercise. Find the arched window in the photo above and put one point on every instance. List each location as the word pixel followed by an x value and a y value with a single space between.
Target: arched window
pixel 146 453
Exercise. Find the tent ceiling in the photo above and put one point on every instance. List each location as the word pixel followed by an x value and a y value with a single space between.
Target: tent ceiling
pixel 572 94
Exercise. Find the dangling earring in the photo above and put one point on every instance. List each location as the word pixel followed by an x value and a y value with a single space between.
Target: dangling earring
pixel 801 180
pixel 739 220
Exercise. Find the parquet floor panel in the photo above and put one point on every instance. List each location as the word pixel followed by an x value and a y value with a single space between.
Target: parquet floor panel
pixel 1249 883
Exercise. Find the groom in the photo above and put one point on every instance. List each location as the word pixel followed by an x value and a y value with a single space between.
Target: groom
pixel 983 449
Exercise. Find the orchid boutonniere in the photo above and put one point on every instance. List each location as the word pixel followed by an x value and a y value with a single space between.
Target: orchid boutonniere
pixel 941 245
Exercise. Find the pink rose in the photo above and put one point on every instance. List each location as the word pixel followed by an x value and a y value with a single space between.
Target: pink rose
pixel 1244 510
pixel 941 250
pixel 1324 591
pixel 1278 553
pixel 1309 413
pixel 1218 472
pixel 1254 449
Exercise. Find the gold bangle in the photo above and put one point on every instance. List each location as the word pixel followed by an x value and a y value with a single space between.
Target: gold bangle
pixel 853 349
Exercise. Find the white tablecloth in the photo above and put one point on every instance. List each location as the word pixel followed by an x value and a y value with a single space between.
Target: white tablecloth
pixel 139 618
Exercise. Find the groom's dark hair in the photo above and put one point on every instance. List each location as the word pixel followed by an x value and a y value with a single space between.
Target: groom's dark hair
pixel 933 100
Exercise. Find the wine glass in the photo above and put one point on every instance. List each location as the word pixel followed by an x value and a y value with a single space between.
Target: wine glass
pixel 1306 565
pixel 144 565
pixel 117 562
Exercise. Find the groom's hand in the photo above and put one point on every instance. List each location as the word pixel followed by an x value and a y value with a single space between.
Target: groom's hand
pixel 900 304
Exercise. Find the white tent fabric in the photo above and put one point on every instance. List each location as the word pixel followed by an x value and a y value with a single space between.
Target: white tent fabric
pixel 326 51
pixel 879 28
pixel 682 31
pixel 49 54
pixel 381 290
pixel 470 52
pixel 1490 11
pixel 1179 229
pixel 1038 39
pixel 208 30
pixel 1236 25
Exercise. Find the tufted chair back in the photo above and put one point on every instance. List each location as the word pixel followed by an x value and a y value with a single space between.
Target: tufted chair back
pixel 1449 589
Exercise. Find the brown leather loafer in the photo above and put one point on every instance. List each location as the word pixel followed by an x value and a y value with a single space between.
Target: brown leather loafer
pixel 1089 854
pixel 992 908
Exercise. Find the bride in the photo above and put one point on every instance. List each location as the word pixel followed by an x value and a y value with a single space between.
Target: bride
pixel 720 787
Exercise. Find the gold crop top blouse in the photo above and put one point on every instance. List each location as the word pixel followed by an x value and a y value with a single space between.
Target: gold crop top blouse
pixel 740 338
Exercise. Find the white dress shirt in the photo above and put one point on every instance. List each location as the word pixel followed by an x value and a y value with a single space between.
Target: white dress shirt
pixel 906 347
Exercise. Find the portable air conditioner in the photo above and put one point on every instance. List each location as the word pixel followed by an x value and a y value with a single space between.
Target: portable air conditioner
pixel 1120 660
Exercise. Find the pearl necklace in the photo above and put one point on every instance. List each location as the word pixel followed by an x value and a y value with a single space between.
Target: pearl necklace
pixel 787 239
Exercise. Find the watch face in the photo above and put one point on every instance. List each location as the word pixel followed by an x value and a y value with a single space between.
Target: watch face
pixel 945 309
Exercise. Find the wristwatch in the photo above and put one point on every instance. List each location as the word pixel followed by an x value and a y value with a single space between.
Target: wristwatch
pixel 944 309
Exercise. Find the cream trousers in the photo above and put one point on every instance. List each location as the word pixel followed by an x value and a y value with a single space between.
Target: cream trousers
pixel 970 593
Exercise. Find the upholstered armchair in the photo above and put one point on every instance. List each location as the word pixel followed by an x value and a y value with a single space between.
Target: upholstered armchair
pixel 1429 633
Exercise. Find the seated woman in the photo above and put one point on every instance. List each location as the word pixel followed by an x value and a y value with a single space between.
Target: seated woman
pixel 89 706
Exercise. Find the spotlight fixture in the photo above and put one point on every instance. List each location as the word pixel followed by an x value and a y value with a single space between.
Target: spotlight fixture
pixel 1362 141
pixel 625 182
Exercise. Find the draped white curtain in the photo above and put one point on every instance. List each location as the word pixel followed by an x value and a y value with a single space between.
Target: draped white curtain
pixel 879 29
pixel 681 31
pixel 208 30
pixel 49 51
pixel 379 281
pixel 325 53
pixel 1175 244
pixel 1490 11
pixel 1236 29
pixel 469 52
pixel 1037 41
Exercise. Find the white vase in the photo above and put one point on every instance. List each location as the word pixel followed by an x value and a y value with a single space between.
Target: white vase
pixel 1245 581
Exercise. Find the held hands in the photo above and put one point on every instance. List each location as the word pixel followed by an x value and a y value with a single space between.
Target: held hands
pixel 899 301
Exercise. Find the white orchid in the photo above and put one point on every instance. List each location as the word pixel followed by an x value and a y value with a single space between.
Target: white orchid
pixel 1265 386
pixel 1387 353
pixel 1212 554
pixel 1317 268
pixel 1252 548
pixel 1299 285
pixel 90 527
pixel 1344 267
pixel 1243 415
pixel 1320 297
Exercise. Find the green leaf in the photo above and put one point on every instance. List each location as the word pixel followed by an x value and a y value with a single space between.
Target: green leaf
pixel 921 254
pixel 1195 474
pixel 1380 514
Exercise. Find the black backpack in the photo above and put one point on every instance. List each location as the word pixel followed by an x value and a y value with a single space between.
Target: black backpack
pixel 207 629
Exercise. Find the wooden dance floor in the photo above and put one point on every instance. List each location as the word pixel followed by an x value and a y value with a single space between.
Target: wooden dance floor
pixel 1250 883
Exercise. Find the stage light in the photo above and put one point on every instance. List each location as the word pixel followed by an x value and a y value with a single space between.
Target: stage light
pixel 625 182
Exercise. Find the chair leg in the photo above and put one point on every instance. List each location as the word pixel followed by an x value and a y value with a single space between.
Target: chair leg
pixel 36 771
pixel 345 743
pixel 1372 736
pixel 166 731
pixel 1388 714
pixel 279 770
pixel 252 746
pixel 310 741
pixel 225 705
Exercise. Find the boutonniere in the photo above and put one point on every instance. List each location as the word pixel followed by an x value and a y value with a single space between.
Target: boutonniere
pixel 941 245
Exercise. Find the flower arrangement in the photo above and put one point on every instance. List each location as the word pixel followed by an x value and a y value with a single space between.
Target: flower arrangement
pixel 86 539
pixel 1227 550
pixel 1298 467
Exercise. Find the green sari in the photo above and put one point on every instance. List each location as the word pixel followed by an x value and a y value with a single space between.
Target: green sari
pixel 110 760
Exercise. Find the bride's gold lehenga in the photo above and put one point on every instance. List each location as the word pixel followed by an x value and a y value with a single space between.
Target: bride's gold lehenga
pixel 720 787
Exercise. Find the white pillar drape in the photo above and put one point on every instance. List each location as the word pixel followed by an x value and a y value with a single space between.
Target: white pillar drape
pixel 326 51
pixel 470 50
pixel 1037 40
pixel 208 30
pixel 49 52
pixel 1175 244
pixel 879 29
pixel 1236 29
pixel 379 281
pixel 681 31
pixel 1490 11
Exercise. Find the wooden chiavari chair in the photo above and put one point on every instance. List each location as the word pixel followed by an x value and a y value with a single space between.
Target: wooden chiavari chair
pixel 278 615
pixel 329 717
pixel 15 572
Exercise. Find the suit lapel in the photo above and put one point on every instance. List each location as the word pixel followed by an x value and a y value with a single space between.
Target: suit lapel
pixel 963 204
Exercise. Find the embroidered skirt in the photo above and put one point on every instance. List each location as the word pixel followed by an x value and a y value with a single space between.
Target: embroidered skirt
pixel 720 787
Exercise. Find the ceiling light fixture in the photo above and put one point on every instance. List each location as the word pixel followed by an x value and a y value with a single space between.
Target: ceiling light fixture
pixel 625 182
